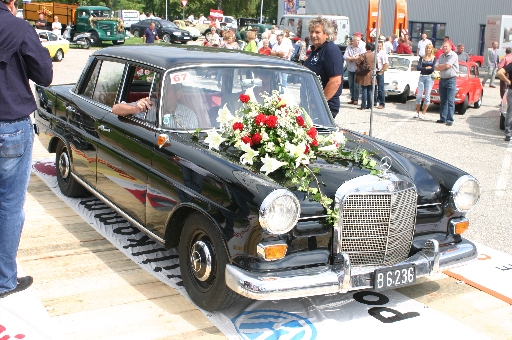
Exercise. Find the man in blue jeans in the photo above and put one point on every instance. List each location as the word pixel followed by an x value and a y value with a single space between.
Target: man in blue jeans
pixel 351 55
pixel 382 66
pixel 22 57
pixel 448 67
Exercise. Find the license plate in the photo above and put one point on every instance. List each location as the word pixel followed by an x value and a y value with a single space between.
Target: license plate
pixel 386 278
pixel 120 41
pixel 436 98
pixel 186 37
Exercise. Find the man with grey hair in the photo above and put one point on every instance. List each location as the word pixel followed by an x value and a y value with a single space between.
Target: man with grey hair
pixel 352 54
pixel 326 61
pixel 448 67
pixel 462 55
pixel 491 60
pixel 22 58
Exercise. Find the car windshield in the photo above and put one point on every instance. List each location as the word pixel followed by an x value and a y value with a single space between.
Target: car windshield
pixel 399 63
pixel 193 97
pixel 463 71
pixel 100 13
pixel 166 23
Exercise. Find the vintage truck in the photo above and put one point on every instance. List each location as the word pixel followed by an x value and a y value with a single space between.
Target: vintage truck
pixel 96 20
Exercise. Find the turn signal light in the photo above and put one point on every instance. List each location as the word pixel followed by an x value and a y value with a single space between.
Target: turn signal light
pixel 461 227
pixel 163 139
pixel 270 252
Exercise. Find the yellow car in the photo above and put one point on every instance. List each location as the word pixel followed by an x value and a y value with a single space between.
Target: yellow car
pixel 56 44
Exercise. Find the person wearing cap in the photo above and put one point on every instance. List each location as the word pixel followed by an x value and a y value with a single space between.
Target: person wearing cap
pixel 359 38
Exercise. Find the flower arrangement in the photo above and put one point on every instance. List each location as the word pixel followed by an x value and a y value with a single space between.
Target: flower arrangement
pixel 45 11
pixel 120 23
pixel 143 74
pixel 275 135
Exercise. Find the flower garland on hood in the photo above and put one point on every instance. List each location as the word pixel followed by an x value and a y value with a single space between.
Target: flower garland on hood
pixel 278 136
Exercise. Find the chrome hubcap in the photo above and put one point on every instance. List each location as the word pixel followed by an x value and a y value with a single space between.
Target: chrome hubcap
pixel 64 165
pixel 201 260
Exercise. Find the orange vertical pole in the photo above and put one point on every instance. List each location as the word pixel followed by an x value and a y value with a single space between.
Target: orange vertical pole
pixel 400 24
pixel 371 24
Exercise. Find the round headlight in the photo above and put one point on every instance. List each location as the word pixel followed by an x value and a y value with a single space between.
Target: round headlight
pixel 279 212
pixel 395 83
pixel 465 193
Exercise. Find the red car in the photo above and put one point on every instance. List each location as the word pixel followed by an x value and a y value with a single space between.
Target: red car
pixel 469 88
pixel 477 59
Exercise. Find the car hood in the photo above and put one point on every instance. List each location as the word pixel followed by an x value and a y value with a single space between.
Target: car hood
pixel 225 164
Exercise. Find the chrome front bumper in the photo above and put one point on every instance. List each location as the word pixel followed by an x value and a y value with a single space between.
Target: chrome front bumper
pixel 341 277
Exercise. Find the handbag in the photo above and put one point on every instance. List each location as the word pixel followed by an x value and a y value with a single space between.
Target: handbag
pixel 363 69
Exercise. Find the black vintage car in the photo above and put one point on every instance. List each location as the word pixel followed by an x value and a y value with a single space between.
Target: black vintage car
pixel 166 30
pixel 238 230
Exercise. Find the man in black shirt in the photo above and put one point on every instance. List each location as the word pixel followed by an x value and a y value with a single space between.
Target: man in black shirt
pixel 505 74
pixel 41 24
pixel 22 58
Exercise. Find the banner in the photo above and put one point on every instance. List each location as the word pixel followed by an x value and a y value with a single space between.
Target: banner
pixel 216 14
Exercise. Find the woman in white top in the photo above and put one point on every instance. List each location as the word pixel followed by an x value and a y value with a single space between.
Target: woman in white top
pixel 56 26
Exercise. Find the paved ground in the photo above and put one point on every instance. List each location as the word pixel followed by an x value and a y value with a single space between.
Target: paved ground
pixel 93 291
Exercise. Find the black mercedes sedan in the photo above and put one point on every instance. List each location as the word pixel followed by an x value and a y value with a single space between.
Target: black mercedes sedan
pixel 167 30
pixel 253 183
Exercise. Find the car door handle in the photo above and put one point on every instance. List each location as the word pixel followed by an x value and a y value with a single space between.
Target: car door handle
pixel 103 128
pixel 71 108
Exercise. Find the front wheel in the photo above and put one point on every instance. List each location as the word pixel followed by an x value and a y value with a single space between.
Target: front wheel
pixel 67 183
pixel 136 33
pixel 462 108
pixel 166 38
pixel 203 260
pixel 405 94
pixel 84 43
pixel 96 38
pixel 59 55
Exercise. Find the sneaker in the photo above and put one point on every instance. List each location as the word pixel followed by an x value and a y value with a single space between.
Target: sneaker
pixel 440 121
pixel 449 123
pixel 23 283
pixel 507 138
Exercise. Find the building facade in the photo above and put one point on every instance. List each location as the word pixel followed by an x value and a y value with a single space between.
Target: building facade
pixel 463 21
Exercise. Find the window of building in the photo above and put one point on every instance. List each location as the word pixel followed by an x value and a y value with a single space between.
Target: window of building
pixel 435 33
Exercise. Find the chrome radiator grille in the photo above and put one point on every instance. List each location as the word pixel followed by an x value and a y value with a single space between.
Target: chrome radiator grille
pixel 377 229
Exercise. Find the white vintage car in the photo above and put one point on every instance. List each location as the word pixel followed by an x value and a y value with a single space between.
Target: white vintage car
pixel 401 78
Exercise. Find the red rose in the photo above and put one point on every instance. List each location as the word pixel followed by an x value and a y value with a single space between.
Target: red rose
pixel 260 119
pixel 307 149
pixel 314 142
pixel 312 133
pixel 247 140
pixel 238 126
pixel 283 106
pixel 256 138
pixel 300 120
pixel 271 121
pixel 244 98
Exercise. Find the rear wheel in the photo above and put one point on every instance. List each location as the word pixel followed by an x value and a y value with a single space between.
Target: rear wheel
pixel 194 39
pixel 67 183
pixel 136 33
pixel 203 260
pixel 96 39
pixel 405 94
pixel 479 64
pixel 462 108
pixel 59 55
pixel 166 38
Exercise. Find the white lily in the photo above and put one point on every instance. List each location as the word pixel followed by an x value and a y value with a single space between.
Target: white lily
pixel 308 120
pixel 250 93
pixel 330 147
pixel 214 140
pixel 338 137
pixel 270 164
pixel 225 117
pixel 247 157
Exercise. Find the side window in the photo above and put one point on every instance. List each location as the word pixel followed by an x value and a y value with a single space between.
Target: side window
pixel 108 82
pixel 473 72
pixel 52 37
pixel 414 65
pixel 91 83
pixel 144 82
